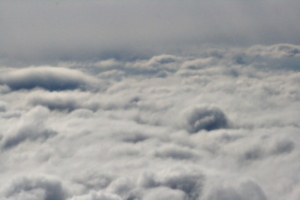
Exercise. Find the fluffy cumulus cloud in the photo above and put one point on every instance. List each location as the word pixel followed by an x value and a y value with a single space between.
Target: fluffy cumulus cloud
pixel 120 101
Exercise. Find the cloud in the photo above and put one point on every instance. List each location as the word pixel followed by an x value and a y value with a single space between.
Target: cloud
pixel 94 181
pixel 62 101
pixel 73 99
pixel 153 65
pixel 244 191
pixel 163 59
pixel 222 122
pixel 122 186
pixel 204 118
pixel 112 74
pixel 49 78
pixel 109 64
pixel 190 183
pixel 2 106
pixel 199 63
pixel 162 193
pixel 180 183
pixel 97 196
pixel 275 51
pixel 36 188
pixel 283 146
pixel 30 127
pixel 175 152
pixel 26 133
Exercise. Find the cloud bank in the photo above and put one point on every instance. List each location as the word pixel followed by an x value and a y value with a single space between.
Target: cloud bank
pixel 220 125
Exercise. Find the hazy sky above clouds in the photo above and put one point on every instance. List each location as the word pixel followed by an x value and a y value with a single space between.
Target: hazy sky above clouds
pixel 149 100
pixel 37 30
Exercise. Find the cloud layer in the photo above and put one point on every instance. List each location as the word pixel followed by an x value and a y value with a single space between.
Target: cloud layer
pixel 224 124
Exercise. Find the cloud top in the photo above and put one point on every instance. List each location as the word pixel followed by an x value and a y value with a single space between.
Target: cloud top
pixel 36 188
pixel 48 78
pixel 204 118
pixel 221 124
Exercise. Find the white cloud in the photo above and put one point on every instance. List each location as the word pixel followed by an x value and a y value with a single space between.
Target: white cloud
pixel 221 124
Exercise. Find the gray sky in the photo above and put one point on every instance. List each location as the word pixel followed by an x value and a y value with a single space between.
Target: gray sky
pixel 82 30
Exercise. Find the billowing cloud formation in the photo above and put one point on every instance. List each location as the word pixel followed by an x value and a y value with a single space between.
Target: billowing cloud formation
pixel 30 127
pixel 48 78
pixel 204 119
pixel 245 191
pixel 35 188
pixel 220 124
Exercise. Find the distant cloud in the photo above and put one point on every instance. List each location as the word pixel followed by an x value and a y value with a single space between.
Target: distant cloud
pixel 199 63
pixel 48 78
pixel 275 51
